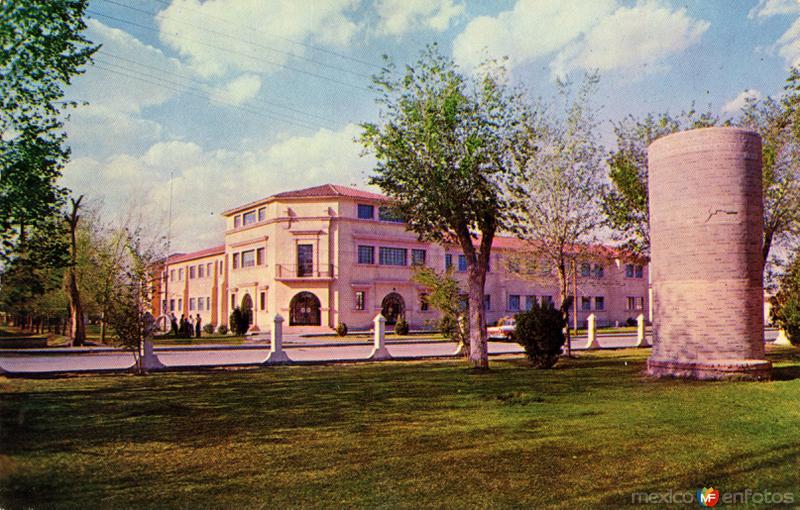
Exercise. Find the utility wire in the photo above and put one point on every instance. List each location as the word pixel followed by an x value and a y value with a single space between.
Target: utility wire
pixel 105 53
pixel 298 43
pixel 302 71
pixel 252 43
pixel 188 90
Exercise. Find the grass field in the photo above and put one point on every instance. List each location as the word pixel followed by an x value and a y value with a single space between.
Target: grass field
pixel 396 435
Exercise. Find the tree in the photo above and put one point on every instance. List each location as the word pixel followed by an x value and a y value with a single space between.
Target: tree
pixel 43 48
pixel 555 190
pixel 625 201
pixel 444 295
pixel 441 144
pixel 77 326
pixel 785 304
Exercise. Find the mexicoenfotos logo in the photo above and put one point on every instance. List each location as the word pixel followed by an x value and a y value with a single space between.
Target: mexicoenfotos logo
pixel 707 496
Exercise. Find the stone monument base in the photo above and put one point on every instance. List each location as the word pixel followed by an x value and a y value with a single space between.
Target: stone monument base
pixel 752 370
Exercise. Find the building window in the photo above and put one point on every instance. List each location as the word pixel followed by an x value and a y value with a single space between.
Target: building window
pixel 417 257
pixel 263 298
pixel 172 275
pixel 639 271
pixel 513 302
pixel 586 304
pixel 249 218
pixel 586 269
pixel 600 303
pixel 529 302
pixel 633 271
pixel 180 274
pixel 171 305
pixel 191 304
pixel 366 212
pixel 260 257
pixel 598 271
pixel 305 260
pixel 192 272
pixel 248 258
pixel 208 270
pixel 366 254
pixel 547 300
pixel 200 304
pixel 180 304
pixel 233 301
pixel 208 303
pixel 462 263
pixel 424 306
pixel 387 214
pixel 634 303
pixel 448 260
pixel 237 221
pixel 236 261
pixel 262 214
pixel 392 256
pixel 487 302
pixel 360 301
pixel 201 270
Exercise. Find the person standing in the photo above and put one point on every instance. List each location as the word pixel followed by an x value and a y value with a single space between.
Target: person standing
pixel 197 324
pixel 173 322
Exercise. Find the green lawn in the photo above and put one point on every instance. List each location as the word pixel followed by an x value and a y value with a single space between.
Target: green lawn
pixel 395 435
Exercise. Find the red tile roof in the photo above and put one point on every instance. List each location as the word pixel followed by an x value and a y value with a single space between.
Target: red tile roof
pixel 324 191
pixel 208 252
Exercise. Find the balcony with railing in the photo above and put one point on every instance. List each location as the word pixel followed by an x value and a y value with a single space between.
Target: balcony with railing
pixel 303 272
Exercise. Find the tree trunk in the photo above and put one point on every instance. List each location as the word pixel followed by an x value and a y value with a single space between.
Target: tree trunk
pixel 478 347
pixel 765 248
pixel 78 329
pixel 562 280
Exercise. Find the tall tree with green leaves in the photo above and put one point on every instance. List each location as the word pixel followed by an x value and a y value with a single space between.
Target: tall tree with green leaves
pixel 442 142
pixel 625 199
pixel 43 49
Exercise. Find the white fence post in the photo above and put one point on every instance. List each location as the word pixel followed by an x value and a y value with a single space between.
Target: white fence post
pixel 379 351
pixel 591 325
pixel 782 339
pixel 641 339
pixel 276 354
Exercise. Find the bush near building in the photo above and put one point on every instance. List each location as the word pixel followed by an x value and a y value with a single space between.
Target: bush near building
pixel 540 331
pixel 785 310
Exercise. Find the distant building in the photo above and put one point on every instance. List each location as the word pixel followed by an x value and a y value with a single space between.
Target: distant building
pixel 331 254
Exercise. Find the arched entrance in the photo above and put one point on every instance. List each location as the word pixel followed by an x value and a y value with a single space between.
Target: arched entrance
pixel 247 308
pixel 393 307
pixel 304 310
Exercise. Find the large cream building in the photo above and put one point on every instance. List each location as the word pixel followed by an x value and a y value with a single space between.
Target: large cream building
pixel 332 254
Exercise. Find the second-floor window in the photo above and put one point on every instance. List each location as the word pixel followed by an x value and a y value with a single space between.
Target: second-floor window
pixel 529 302
pixel 634 271
pixel 513 302
pixel 248 258
pixel 386 214
pixel 586 303
pixel 586 269
pixel 262 214
pixel 237 221
pixel 366 211
pixel 260 256
pixel 424 305
pixel 600 303
pixel 201 271
pixel 180 274
pixel 236 261
pixel 360 303
pixel 366 255
pixel 462 263
pixel 191 272
pixel 392 256
pixel 448 261
pixel 249 218
pixel 417 257
pixel 598 271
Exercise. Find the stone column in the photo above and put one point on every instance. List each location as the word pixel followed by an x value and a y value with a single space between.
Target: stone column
pixel 379 351
pixel 276 354
pixel 641 340
pixel 591 332
pixel 706 232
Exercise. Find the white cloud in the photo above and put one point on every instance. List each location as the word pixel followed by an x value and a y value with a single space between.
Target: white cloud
pixel 102 131
pixel 206 183
pixel 400 16
pixel 532 29
pixel 766 8
pixel 788 45
pixel 736 104
pixel 221 36
pixel 634 39
pixel 239 90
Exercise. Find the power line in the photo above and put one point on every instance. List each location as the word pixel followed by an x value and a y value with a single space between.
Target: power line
pixel 164 71
pixel 298 43
pixel 302 71
pixel 159 82
pixel 258 45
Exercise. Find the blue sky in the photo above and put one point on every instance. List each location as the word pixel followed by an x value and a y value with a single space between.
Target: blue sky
pixel 232 100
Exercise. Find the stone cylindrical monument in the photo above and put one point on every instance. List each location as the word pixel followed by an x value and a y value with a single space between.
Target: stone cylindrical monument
pixel 706 234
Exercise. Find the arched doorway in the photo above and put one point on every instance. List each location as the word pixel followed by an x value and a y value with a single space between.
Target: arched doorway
pixel 304 310
pixel 393 307
pixel 247 308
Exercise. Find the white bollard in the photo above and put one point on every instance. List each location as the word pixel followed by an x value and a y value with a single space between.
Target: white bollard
pixel 782 339
pixel 379 351
pixel 641 340
pixel 591 342
pixel 149 359
pixel 276 354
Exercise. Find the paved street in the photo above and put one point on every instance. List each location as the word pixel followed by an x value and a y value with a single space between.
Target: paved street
pixel 40 361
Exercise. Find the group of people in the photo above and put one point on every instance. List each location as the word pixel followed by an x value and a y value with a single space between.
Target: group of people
pixel 187 327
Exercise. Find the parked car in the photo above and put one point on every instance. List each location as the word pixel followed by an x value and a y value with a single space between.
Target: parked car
pixel 504 330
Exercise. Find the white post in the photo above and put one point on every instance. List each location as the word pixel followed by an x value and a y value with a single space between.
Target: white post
pixel 461 349
pixel 276 354
pixel 782 339
pixel 591 342
pixel 641 340
pixel 149 359
pixel 379 351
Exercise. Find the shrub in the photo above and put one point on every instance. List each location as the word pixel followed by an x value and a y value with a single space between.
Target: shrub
pixel 208 329
pixel 239 321
pixel 401 327
pixel 785 311
pixel 631 321
pixel 341 329
pixel 541 332
pixel 222 329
